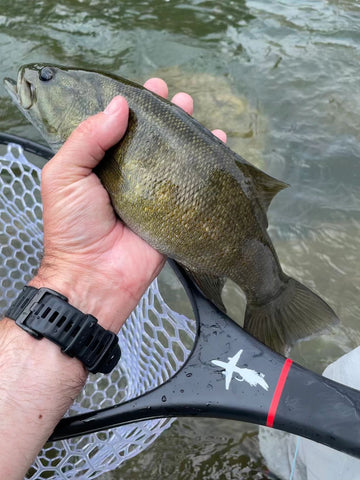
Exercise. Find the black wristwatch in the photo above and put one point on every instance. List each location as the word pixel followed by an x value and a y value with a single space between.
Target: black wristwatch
pixel 45 313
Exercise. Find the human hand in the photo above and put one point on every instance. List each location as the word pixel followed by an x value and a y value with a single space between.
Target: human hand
pixel 89 254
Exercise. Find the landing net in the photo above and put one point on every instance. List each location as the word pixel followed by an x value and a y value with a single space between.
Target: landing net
pixel 155 340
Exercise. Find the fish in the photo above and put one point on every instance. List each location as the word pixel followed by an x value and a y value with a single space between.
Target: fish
pixel 183 191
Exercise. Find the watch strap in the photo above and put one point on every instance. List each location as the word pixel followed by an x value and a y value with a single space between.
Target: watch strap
pixel 46 313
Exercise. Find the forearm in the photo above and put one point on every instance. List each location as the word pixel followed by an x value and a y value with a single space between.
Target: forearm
pixel 38 383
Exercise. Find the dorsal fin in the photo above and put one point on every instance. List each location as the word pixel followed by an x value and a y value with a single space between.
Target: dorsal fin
pixel 266 186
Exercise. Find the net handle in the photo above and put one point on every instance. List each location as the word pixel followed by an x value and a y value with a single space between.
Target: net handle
pixel 261 387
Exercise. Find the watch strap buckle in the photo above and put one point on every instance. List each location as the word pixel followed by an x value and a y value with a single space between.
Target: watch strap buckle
pixel 26 304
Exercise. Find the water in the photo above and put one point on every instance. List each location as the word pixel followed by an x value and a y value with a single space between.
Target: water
pixel 283 78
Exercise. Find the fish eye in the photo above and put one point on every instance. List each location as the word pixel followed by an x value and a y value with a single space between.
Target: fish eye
pixel 46 74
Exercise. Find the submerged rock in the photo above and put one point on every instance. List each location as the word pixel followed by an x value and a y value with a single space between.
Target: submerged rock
pixel 218 105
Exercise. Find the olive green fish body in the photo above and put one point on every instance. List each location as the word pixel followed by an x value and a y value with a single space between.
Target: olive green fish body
pixel 190 196
pixel 183 191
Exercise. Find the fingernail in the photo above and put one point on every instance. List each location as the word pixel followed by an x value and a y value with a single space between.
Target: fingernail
pixel 113 106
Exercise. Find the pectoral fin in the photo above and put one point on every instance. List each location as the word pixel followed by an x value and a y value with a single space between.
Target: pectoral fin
pixel 210 286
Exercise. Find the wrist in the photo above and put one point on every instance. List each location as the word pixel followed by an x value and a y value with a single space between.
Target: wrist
pixel 110 299
pixel 83 291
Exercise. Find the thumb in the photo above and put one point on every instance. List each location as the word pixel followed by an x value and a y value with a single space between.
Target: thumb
pixel 88 143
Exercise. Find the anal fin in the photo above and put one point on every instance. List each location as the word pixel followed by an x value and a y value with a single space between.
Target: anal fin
pixel 210 286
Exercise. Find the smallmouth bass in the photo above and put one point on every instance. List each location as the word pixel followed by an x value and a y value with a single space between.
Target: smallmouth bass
pixel 184 192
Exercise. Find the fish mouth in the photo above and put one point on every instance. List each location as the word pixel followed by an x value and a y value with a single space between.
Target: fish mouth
pixel 21 92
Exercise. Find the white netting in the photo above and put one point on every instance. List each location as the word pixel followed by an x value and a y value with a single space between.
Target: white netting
pixel 155 340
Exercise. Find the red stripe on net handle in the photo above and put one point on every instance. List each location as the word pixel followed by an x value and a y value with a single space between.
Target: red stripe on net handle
pixel 278 391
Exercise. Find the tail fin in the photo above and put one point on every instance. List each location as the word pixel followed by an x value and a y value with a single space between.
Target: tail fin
pixel 295 314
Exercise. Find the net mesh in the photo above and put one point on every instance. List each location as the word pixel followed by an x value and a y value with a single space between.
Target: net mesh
pixel 155 340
